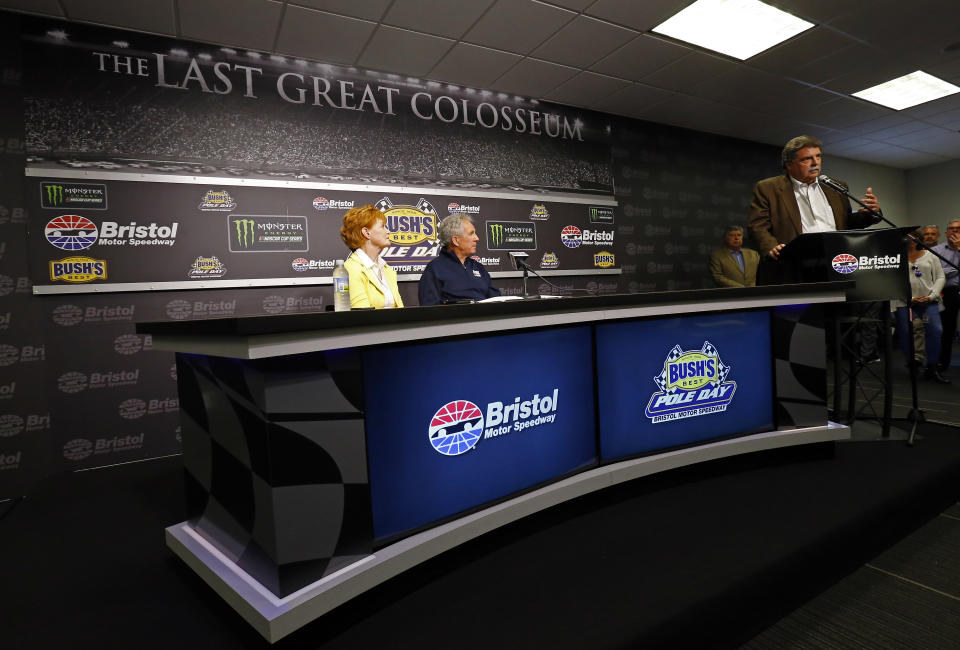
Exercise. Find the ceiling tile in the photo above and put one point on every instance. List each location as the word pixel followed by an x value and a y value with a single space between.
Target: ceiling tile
pixel 895 131
pixel 684 74
pixel 633 100
pixel 472 65
pixel 585 89
pixel 946 144
pixel 879 124
pixel 925 133
pixel 582 42
pixel 406 52
pixel 640 57
pixel 803 50
pixel 368 9
pixel 843 112
pixel 573 5
pixel 50 7
pixel 145 15
pixel 439 17
pixel 298 35
pixel 753 89
pixel 533 78
pixel 518 25
pixel 641 16
pixel 250 24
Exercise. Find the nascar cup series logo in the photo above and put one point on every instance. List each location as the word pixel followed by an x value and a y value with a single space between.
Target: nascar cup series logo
pixel 692 383
pixel 844 263
pixel 457 426
pixel 413 228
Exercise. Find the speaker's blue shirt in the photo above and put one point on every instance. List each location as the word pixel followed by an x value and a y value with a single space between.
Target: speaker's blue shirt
pixel 445 279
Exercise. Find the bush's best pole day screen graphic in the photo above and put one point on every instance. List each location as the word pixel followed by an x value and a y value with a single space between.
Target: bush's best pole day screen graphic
pixel 672 382
pixel 454 425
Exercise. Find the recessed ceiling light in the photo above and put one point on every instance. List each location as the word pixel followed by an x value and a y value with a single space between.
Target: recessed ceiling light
pixel 909 90
pixel 737 28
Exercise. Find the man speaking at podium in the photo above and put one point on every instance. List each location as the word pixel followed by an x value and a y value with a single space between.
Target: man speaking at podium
pixel 785 206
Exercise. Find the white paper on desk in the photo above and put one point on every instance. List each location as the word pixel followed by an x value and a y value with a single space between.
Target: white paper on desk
pixel 501 298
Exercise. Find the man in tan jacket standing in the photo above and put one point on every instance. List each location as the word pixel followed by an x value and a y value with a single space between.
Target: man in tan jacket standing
pixel 732 265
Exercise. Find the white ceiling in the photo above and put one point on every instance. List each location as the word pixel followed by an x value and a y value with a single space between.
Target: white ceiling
pixel 600 54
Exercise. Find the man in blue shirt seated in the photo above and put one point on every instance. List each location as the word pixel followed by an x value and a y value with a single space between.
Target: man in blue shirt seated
pixel 454 275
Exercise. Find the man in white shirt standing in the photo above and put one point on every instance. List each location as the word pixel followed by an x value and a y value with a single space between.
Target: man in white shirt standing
pixel 785 206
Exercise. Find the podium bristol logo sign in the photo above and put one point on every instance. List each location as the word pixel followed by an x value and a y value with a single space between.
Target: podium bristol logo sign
pixel 692 383
pixel 844 263
pixel 457 426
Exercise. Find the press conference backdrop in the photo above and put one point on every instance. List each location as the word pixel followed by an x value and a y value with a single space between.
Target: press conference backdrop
pixel 79 389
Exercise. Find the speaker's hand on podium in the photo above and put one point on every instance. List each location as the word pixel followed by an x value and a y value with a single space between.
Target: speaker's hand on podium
pixel 775 251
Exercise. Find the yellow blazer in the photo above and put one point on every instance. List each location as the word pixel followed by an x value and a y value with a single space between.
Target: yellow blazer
pixel 365 291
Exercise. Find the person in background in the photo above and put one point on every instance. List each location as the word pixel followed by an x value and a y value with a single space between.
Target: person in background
pixel 733 265
pixel 950 250
pixel 373 283
pixel 926 281
pixel 454 275
pixel 930 235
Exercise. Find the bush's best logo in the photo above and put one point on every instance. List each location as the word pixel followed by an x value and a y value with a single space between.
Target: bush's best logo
pixel 603 260
pixel 78 269
pixel 261 234
pixel 321 203
pixel 692 383
pixel 413 228
pixel 80 196
pixel 457 426
pixel 206 267
pixel 71 232
pixel 511 235
pixel 844 263
pixel 539 212
pixel 217 201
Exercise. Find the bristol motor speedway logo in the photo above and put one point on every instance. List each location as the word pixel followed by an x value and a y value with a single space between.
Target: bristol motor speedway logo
pixel 844 263
pixel 458 426
pixel 71 232
pixel 692 383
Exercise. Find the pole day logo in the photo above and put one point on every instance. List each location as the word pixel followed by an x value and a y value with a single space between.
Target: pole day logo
pixel 692 383
pixel 457 426
pixel 413 228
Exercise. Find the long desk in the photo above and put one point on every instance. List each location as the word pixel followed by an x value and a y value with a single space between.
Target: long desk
pixel 327 452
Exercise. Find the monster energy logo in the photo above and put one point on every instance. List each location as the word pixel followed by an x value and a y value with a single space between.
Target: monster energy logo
pixel 496 234
pixel 79 195
pixel 54 194
pixel 244 231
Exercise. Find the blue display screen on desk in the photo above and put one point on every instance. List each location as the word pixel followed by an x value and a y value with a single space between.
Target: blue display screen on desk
pixel 677 381
pixel 457 424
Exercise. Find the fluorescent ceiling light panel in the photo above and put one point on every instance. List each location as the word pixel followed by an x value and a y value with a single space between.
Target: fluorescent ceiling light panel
pixel 737 28
pixel 909 90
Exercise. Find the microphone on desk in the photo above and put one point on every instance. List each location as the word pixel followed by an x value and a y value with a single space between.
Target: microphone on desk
pixel 519 260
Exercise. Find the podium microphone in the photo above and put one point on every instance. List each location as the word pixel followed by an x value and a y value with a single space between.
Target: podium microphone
pixel 832 184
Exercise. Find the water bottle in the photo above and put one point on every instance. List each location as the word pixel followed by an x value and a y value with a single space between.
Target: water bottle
pixel 341 288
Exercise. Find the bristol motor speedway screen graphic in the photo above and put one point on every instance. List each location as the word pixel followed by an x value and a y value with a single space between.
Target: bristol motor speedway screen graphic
pixel 474 421
pixel 672 382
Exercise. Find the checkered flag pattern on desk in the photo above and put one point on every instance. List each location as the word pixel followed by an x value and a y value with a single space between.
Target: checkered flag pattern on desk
pixel 800 366
pixel 275 480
